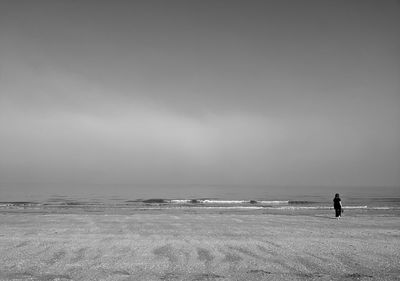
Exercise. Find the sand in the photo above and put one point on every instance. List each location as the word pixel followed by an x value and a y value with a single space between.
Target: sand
pixel 155 245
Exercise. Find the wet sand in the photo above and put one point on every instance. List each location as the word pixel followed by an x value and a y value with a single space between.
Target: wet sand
pixel 198 246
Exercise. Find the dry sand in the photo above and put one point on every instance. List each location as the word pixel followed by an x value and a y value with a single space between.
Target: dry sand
pixel 198 246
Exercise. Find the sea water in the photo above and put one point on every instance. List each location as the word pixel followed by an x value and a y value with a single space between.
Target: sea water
pixel 130 198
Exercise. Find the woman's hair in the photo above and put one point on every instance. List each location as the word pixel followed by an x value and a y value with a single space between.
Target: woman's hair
pixel 337 195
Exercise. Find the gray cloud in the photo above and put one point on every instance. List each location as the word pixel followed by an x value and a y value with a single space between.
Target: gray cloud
pixel 267 92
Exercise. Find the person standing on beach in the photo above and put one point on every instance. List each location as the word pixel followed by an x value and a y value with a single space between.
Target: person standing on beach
pixel 337 205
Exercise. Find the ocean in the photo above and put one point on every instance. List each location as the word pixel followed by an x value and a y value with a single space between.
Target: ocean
pixel 112 198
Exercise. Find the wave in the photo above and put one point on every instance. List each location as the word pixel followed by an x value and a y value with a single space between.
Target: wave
pixel 224 207
pixel 274 202
pixel 220 201
pixel 212 201
pixel 206 201
pixel 159 201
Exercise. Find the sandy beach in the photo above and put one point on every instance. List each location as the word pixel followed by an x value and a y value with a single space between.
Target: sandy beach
pixel 198 246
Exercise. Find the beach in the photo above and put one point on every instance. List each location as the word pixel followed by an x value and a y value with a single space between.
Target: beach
pixel 198 245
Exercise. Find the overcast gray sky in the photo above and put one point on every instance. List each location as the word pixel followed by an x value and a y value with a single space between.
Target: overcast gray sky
pixel 211 92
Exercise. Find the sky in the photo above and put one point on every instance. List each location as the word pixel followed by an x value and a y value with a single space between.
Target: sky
pixel 201 92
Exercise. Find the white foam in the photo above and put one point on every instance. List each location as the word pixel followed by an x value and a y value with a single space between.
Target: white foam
pixel 180 201
pixel 208 201
pixel 273 202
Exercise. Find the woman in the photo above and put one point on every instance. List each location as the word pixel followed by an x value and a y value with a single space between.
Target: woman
pixel 337 204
